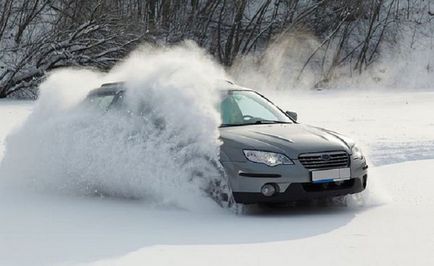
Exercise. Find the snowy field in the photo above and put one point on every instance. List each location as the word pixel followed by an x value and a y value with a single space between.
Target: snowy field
pixel 393 227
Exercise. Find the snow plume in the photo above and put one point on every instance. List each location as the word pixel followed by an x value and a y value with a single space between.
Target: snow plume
pixel 374 195
pixel 163 147
pixel 279 66
pixel 299 61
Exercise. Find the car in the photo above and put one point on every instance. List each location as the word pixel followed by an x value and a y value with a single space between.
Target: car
pixel 268 156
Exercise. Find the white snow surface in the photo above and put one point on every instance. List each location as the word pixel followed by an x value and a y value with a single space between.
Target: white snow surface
pixel 390 224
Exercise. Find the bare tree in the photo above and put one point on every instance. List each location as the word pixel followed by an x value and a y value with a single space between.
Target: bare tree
pixel 37 36
pixel 44 35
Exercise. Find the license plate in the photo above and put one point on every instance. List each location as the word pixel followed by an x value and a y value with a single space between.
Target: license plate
pixel 331 175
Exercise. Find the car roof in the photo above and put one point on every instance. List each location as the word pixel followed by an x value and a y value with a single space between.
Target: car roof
pixel 117 87
pixel 108 88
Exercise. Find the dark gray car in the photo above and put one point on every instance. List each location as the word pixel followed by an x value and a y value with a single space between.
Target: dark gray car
pixel 269 157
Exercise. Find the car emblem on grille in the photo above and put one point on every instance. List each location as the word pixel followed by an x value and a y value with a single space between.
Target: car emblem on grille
pixel 325 157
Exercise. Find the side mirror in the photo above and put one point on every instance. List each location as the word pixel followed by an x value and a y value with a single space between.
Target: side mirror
pixel 292 115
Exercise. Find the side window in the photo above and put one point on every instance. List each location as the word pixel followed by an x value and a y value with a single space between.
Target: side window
pixel 118 101
pixel 102 102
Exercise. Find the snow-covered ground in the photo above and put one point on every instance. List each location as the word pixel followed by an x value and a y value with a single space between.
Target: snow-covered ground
pixel 392 126
pixel 394 227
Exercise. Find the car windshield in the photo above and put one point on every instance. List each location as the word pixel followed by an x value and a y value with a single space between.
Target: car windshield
pixel 240 108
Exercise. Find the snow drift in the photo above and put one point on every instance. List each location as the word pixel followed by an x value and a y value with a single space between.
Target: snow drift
pixel 163 149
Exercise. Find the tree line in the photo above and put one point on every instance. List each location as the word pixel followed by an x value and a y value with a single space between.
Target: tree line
pixel 37 36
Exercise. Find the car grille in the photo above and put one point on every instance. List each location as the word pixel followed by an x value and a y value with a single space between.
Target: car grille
pixel 324 160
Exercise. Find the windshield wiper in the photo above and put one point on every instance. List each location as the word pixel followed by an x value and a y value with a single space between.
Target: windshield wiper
pixel 258 122
pixel 271 122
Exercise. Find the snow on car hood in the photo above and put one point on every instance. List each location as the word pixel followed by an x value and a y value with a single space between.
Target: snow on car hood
pixel 289 139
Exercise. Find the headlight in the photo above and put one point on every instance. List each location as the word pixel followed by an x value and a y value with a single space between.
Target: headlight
pixel 357 152
pixel 268 158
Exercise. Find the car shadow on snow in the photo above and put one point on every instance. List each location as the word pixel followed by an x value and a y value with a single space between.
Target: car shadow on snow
pixel 51 230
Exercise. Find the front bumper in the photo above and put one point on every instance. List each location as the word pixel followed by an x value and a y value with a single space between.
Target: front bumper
pixel 305 191
pixel 294 182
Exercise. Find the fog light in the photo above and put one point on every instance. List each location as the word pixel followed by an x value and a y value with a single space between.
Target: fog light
pixel 269 190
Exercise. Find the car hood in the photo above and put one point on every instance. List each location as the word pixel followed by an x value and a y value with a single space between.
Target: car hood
pixel 289 139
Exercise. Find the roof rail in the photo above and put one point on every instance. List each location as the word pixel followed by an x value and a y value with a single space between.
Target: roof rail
pixel 112 84
pixel 120 83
